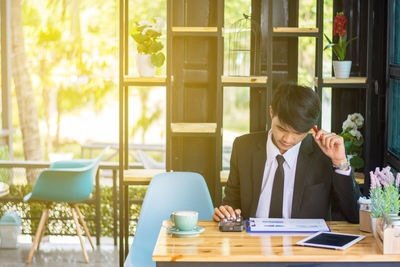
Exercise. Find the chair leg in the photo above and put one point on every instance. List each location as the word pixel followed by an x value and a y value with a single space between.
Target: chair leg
pixel 83 224
pixel 78 232
pixel 43 230
pixel 38 234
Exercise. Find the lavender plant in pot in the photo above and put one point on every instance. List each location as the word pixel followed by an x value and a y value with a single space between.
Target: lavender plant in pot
pixel 384 194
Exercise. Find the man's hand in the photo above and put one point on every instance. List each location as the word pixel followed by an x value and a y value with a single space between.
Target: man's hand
pixel 332 145
pixel 225 212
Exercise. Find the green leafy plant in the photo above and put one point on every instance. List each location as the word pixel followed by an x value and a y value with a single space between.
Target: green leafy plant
pixel 340 30
pixel 353 139
pixel 146 36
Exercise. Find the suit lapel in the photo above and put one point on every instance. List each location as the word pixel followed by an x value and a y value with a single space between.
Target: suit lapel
pixel 258 161
pixel 302 170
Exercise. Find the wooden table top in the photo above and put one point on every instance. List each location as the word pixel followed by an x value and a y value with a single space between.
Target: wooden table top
pixel 141 175
pixel 215 246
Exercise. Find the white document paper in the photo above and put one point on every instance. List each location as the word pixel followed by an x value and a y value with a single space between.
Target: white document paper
pixel 271 225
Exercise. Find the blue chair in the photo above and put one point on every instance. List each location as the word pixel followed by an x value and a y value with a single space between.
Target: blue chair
pixel 167 192
pixel 65 181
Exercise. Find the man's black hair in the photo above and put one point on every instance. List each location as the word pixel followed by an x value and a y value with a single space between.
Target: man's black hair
pixel 297 106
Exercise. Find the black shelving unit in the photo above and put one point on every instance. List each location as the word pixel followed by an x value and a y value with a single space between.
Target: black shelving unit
pixel 194 97
pixel 292 31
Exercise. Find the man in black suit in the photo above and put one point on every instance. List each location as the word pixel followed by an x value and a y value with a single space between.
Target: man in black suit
pixel 287 172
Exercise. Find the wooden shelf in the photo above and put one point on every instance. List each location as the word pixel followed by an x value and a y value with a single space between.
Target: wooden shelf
pixel 223 175
pixel 359 177
pixel 144 81
pixel 194 31
pixel 251 81
pixel 295 32
pixel 140 176
pixel 193 127
pixel 342 82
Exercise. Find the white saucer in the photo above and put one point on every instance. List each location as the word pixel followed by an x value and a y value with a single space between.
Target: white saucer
pixel 179 233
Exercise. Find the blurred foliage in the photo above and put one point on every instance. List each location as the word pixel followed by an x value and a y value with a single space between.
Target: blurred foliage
pixel 237 109
pixel 4 173
pixel 72 50
pixel 31 212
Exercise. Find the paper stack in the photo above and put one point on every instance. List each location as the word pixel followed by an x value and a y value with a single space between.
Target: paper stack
pixel 271 225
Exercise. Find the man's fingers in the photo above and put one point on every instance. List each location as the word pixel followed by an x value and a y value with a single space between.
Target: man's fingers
pixel 333 140
pixel 224 211
pixel 320 133
pixel 216 218
pixel 231 211
pixel 218 213
pixel 327 141
pixel 238 212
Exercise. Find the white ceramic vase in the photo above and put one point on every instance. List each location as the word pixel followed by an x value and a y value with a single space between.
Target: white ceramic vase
pixel 342 68
pixel 144 65
pixel 373 225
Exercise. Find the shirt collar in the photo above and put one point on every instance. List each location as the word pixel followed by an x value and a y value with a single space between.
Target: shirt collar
pixel 290 155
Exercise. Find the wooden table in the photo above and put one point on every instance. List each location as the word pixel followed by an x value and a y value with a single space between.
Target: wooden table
pixel 215 248
pixel 140 176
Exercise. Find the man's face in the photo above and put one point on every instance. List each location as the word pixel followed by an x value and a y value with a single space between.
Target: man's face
pixel 284 136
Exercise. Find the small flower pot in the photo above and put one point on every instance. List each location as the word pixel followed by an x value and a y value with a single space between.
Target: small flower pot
pixel 373 225
pixel 144 66
pixel 342 68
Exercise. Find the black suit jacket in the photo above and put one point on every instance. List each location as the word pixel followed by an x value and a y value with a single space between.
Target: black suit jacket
pixel 317 186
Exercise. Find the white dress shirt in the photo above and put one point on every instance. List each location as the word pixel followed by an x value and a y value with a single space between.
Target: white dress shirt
pixel 289 167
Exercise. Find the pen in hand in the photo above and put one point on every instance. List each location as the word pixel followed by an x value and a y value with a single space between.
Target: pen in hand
pixel 316 131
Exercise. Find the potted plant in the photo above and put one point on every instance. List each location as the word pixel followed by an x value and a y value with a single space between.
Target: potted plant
pixel 341 66
pixel 353 139
pixel 149 56
pixel 384 194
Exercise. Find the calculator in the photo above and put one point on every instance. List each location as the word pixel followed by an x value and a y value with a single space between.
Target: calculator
pixel 231 224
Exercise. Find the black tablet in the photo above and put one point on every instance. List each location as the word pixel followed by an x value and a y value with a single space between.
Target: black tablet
pixel 330 240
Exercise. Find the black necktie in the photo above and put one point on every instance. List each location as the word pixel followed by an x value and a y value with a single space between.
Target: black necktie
pixel 275 209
